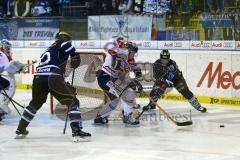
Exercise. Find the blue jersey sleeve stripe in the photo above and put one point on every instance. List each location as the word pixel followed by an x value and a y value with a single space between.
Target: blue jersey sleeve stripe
pixel 64 43
pixel 69 49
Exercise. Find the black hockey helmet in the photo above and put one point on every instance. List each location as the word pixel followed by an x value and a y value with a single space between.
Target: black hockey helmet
pixel 165 54
pixel 62 35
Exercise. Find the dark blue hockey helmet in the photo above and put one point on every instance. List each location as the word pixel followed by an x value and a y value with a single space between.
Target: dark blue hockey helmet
pixel 165 54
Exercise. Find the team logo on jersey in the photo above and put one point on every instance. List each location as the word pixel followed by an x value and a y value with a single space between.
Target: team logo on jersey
pixel 171 68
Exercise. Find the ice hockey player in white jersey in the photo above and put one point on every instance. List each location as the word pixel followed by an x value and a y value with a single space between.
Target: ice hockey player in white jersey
pixel 8 68
pixel 113 79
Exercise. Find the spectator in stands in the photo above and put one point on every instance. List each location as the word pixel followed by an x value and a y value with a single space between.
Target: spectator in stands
pixel 219 6
pixel 102 7
pixel 56 6
pixel 41 8
pixel 5 8
pixel 198 7
pixel 138 6
pixel 182 9
pixel 106 7
pixel 232 6
pixel 125 6
pixel 22 8
pixel 155 6
pixel 185 6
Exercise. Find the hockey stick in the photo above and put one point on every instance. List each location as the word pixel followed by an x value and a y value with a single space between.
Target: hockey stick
pixel 27 65
pixel 30 64
pixel 186 123
pixel 66 120
pixel 22 106
pixel 10 99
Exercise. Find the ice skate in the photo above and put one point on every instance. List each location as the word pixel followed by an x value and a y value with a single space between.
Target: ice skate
pixel 21 133
pixel 130 120
pixel 2 114
pixel 101 120
pixel 194 102
pixel 201 109
pixel 80 136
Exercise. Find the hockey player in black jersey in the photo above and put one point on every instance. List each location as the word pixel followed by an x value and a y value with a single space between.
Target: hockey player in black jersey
pixel 167 74
pixel 49 78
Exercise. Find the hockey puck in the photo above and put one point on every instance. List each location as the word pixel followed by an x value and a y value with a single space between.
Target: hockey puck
pixel 221 126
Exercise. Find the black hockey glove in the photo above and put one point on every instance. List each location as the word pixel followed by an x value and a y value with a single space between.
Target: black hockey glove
pixel 136 85
pixel 148 107
pixel 75 61
pixel 138 72
pixel 98 72
pixel 139 89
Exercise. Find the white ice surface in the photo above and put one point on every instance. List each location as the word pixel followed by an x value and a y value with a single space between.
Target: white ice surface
pixel 152 140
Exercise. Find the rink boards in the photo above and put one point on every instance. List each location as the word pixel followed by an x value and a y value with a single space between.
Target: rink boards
pixel 213 76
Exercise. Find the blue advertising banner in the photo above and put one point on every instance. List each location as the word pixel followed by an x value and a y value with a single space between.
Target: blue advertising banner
pixel 179 35
pixel 220 21
pixel 29 29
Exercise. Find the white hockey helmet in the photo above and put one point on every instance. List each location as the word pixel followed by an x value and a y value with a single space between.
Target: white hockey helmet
pixel 6 45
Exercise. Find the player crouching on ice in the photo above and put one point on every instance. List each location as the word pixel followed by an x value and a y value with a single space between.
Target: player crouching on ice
pixel 7 84
pixel 49 78
pixel 113 78
pixel 167 74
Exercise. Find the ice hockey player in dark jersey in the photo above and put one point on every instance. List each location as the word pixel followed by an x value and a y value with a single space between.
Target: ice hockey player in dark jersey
pixel 167 74
pixel 49 78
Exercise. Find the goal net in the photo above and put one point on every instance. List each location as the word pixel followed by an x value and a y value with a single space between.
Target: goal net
pixel 89 94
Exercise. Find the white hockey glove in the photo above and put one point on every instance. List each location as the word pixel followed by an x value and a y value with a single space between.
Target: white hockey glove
pixel 19 66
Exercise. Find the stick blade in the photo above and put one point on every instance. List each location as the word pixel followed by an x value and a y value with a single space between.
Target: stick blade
pixel 187 123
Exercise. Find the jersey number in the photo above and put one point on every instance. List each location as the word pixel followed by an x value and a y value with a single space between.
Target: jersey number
pixel 45 58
